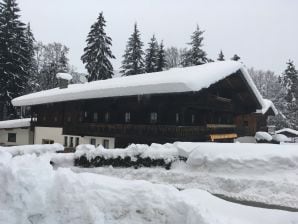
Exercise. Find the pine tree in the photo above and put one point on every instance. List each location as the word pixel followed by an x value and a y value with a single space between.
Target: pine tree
pixel 133 62
pixel 98 52
pixel 32 68
pixel 235 57
pixel 161 61
pixel 221 56
pixel 14 54
pixel 290 81
pixel 151 58
pixel 196 55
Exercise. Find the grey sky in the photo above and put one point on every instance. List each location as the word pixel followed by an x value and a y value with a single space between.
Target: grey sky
pixel 263 32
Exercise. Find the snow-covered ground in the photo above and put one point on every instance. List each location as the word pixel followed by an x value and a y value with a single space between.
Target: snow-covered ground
pixel 266 173
pixel 33 192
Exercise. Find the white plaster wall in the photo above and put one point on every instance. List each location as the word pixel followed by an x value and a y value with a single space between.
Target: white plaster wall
pixel 87 140
pixel 49 133
pixel 22 136
pixel 55 134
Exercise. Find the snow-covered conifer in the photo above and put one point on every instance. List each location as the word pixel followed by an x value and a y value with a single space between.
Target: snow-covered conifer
pixel 98 52
pixel 133 61
pixel 221 56
pixel 14 55
pixel 151 57
pixel 161 60
pixel 195 55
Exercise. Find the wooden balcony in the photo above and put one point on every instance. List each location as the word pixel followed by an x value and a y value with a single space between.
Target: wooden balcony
pixel 148 131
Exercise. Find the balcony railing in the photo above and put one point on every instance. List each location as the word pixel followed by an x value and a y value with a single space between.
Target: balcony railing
pixel 164 131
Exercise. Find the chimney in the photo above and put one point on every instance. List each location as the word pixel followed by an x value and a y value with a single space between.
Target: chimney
pixel 63 80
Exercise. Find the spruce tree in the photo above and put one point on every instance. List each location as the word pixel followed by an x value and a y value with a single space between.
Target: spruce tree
pixel 235 57
pixel 151 58
pixel 32 63
pixel 290 81
pixel 196 55
pixel 221 56
pixel 98 52
pixel 14 54
pixel 133 62
pixel 161 61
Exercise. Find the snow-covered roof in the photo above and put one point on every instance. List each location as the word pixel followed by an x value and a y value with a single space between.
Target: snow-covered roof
pixel 267 104
pixel 18 123
pixel 174 80
pixel 65 76
pixel 289 130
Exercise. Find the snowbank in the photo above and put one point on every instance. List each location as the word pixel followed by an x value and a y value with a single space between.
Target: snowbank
pixel 32 149
pixel 32 192
pixel 243 158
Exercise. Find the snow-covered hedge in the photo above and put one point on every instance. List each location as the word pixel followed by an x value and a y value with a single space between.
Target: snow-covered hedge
pixel 32 192
pixel 132 156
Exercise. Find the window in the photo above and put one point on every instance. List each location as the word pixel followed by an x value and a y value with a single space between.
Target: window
pixel 107 117
pixel 177 118
pixel 93 141
pixel 95 117
pixel 193 118
pixel 12 137
pixel 127 117
pixel 65 140
pixel 245 123
pixel 77 141
pixel 153 117
pixel 47 141
pixel 106 143
pixel 71 142
pixel 55 119
pixel 69 119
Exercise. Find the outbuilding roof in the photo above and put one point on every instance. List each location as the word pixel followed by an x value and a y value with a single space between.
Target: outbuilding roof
pixel 18 123
pixel 174 80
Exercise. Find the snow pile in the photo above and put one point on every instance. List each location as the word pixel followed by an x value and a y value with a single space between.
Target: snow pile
pixel 32 192
pixel 261 135
pixel 280 138
pixel 64 76
pixel 18 123
pixel 243 158
pixel 32 149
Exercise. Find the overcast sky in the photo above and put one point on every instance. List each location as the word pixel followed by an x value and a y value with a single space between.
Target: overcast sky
pixel 262 32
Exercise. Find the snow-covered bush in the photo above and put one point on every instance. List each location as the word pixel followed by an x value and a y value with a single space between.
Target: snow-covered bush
pixel 262 137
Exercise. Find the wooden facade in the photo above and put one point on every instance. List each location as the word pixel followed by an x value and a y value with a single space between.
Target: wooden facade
pixel 226 107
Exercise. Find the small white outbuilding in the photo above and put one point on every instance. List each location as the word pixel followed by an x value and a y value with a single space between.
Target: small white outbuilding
pixel 16 132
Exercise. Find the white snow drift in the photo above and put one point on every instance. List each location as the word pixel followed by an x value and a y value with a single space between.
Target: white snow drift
pixel 32 192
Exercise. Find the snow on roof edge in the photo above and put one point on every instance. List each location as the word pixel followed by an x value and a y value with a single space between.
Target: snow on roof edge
pixel 287 130
pixel 186 79
pixel 17 123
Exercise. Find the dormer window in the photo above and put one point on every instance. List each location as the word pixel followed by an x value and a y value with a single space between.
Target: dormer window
pixel 153 117
pixel 177 118
pixel 127 117
pixel 95 117
pixel 107 117
pixel 193 118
